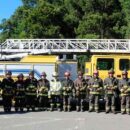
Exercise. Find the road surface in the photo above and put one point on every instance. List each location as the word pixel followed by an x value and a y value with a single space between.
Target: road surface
pixel 63 121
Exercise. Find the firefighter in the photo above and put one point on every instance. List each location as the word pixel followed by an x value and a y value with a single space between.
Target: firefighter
pixel 111 92
pixel 31 91
pixel 124 86
pixel 19 87
pixel 68 87
pixel 8 89
pixel 80 85
pixel 55 92
pixel 95 87
pixel 43 88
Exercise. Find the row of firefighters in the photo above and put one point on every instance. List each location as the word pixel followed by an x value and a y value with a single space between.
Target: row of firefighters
pixel 59 94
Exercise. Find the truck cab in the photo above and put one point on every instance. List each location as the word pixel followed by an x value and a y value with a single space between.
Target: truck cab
pixel 103 63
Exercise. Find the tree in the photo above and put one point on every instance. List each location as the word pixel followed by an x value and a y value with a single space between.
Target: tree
pixel 35 19
pixel 67 19
pixel 126 9
pixel 74 13
pixel 29 3
pixel 102 19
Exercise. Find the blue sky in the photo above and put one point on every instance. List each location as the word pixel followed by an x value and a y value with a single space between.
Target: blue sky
pixel 7 7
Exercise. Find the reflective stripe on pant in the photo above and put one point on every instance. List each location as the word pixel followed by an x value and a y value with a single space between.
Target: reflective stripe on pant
pixel 67 100
pixel 110 102
pixel 94 102
pixel 55 100
pixel 80 100
pixel 125 103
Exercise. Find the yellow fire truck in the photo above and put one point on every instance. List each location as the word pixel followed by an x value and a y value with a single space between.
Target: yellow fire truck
pixel 105 62
pixel 106 53
pixel 39 64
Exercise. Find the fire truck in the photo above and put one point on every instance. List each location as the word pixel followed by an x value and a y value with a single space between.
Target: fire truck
pixel 28 54
pixel 23 55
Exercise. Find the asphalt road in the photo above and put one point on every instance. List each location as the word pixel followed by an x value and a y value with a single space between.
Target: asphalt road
pixel 63 121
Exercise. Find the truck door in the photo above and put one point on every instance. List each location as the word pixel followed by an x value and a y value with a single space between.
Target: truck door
pixel 103 65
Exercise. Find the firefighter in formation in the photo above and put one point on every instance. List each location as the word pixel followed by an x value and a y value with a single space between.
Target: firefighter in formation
pixel 19 93
pixel 60 94
pixel 95 87
pixel 124 86
pixel 55 92
pixel 31 91
pixel 7 87
pixel 68 89
pixel 43 88
pixel 80 91
pixel 111 92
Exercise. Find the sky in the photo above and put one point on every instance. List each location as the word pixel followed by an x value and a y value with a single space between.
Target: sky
pixel 7 8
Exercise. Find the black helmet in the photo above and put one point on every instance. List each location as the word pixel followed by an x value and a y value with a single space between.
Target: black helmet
pixel 8 72
pixel 31 73
pixel 20 75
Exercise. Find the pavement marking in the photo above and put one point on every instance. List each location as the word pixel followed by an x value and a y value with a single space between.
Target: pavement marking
pixel 31 123
pixel 76 128
pixel 6 117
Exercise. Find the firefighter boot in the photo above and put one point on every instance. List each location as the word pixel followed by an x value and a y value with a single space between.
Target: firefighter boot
pixel 52 107
pixel 77 108
pixel 69 108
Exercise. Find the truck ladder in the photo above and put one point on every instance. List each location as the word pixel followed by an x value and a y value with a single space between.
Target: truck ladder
pixel 17 47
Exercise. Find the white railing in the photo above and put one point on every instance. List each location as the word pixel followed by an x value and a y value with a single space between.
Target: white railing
pixel 65 45
pixel 41 46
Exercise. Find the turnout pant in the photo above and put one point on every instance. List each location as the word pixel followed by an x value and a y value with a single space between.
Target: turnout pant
pixel 43 102
pixel 55 100
pixel 30 101
pixel 80 100
pixel 19 103
pixel 67 100
pixel 125 104
pixel 7 102
pixel 94 102
pixel 110 102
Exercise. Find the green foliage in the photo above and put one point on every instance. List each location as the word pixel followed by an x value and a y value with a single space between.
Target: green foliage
pixel 126 10
pixel 68 19
pixel 81 60
pixel 29 3
pixel 102 19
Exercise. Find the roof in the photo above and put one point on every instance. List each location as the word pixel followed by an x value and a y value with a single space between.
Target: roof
pixel 40 59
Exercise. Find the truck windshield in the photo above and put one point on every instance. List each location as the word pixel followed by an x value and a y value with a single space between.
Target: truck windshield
pixel 105 63
pixel 124 64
